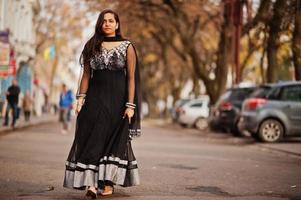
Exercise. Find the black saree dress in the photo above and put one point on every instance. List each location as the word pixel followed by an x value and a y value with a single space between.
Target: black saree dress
pixel 101 152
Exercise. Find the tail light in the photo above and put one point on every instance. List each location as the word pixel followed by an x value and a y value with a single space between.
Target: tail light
pixel 180 110
pixel 226 106
pixel 252 104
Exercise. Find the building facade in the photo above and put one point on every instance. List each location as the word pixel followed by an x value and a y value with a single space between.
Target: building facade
pixel 17 26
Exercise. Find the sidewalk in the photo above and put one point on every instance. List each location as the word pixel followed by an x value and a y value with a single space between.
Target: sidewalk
pixel 34 120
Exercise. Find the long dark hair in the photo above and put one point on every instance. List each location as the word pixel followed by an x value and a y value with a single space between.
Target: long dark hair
pixel 93 44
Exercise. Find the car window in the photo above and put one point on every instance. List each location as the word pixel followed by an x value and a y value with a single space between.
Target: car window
pixel 181 102
pixel 291 93
pixel 196 105
pixel 260 92
pixel 223 97
pixel 184 102
pixel 235 95
pixel 274 93
pixel 240 95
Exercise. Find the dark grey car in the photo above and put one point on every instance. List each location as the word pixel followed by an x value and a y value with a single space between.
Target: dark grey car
pixel 276 116
pixel 225 113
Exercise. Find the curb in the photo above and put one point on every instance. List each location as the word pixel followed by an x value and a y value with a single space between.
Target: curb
pixel 280 150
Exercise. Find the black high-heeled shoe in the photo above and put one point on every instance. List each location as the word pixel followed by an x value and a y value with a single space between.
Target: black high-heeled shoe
pixel 91 195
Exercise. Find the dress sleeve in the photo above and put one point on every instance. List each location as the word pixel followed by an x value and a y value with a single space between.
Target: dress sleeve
pixel 84 79
pixel 131 66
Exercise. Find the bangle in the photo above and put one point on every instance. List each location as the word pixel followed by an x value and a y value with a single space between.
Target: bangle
pixel 130 105
pixel 80 95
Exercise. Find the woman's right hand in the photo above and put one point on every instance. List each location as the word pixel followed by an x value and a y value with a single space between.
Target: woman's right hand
pixel 79 104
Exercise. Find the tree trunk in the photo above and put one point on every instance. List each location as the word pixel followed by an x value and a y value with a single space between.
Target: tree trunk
pixel 296 44
pixel 262 71
pixel 213 93
pixel 216 87
pixel 272 49
pixel 273 40
pixel 223 54
pixel 151 100
pixel 196 86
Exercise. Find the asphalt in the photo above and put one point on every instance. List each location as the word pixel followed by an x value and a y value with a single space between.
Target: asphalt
pixel 174 164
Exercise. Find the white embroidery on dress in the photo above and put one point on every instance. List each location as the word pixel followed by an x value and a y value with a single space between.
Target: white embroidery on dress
pixel 112 59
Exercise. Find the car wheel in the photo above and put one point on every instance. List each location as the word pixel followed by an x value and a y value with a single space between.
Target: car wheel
pixel 183 125
pixel 271 130
pixel 201 123
pixel 235 131
pixel 255 136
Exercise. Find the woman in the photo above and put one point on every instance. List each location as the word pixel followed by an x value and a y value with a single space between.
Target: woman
pixel 108 108
pixel 27 106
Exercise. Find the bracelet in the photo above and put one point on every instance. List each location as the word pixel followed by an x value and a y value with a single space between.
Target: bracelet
pixel 130 105
pixel 131 108
pixel 80 95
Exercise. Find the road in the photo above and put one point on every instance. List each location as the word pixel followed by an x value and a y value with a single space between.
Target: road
pixel 175 164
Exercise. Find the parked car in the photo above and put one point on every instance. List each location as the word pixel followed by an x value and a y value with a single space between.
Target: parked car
pixel 195 113
pixel 225 113
pixel 276 116
pixel 175 111
pixel 261 91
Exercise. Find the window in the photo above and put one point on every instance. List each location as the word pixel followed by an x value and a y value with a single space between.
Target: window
pixel 274 93
pixel 261 92
pixel 197 105
pixel 240 94
pixel 291 93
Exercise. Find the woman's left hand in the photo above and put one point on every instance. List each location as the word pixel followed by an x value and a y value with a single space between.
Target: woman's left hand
pixel 129 112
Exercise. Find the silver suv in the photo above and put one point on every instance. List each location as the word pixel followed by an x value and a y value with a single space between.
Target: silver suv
pixel 275 116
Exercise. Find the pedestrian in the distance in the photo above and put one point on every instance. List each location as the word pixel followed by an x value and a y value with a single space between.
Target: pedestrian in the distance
pixel 27 106
pixel 108 108
pixel 12 96
pixel 65 104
